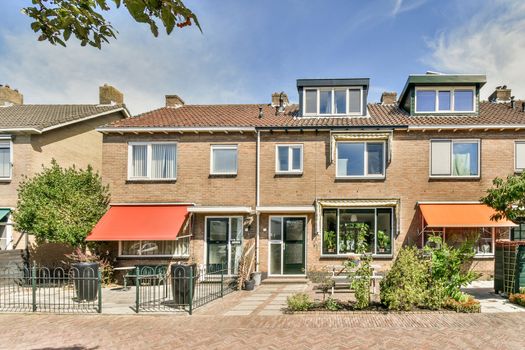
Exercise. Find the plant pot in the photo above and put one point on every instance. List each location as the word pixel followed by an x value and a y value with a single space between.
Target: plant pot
pixel 249 285
pixel 256 277
pixel 85 275
pixel 181 283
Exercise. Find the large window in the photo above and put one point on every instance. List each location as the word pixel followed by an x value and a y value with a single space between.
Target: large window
pixel 289 159
pixel 5 159
pixel 152 161
pixel 443 100
pixel 348 231
pixel 223 160
pixel 177 248
pixel 480 238
pixel 454 158
pixel 360 159
pixel 224 237
pixel 332 101
pixel 519 156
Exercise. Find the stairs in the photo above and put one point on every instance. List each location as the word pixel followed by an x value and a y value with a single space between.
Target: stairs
pixel 285 280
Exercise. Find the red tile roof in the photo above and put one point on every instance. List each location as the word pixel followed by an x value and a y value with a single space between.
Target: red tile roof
pixel 248 116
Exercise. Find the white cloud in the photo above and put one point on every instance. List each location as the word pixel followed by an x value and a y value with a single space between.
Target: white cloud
pixel 143 68
pixel 491 41
pixel 401 6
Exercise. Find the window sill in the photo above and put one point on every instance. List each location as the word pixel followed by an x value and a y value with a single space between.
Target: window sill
pixel 5 179
pixel 455 178
pixel 288 173
pixel 222 175
pixel 484 256
pixel 137 180
pixel 360 178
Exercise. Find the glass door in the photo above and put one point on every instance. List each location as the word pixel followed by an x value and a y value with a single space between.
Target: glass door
pixel 224 244
pixel 287 238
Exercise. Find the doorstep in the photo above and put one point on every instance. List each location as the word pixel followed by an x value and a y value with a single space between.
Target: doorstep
pixel 285 280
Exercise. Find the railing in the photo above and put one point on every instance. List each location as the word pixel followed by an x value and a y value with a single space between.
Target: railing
pixel 183 288
pixel 58 290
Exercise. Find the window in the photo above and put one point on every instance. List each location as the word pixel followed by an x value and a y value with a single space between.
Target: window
pixel 348 230
pixel 177 248
pixel 480 239
pixel 519 156
pixel 332 101
pixel 360 159
pixel 438 100
pixel 224 238
pixel 224 160
pixel 152 161
pixel 289 159
pixel 454 158
pixel 5 159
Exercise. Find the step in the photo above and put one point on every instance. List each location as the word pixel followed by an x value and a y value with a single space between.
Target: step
pixel 284 280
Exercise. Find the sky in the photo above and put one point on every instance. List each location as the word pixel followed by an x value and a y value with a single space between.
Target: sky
pixel 249 49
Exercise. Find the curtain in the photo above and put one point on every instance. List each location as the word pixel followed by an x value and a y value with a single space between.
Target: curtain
pixel 462 164
pixel 139 161
pixel 224 161
pixel 5 159
pixel 164 161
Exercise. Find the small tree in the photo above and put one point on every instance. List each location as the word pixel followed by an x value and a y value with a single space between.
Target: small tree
pixel 507 197
pixel 61 205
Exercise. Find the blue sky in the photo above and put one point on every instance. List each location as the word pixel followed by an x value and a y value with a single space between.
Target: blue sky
pixel 249 49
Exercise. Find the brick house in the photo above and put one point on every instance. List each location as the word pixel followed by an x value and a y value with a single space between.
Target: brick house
pixel 303 180
pixel 33 135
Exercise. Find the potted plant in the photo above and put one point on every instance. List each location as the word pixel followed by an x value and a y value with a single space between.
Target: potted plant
pixel 84 270
pixel 330 241
pixel 383 241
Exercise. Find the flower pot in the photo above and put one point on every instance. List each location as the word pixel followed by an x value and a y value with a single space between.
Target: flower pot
pixel 249 285
pixel 85 276
pixel 181 283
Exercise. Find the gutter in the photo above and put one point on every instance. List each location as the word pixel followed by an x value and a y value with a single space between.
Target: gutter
pixel 460 127
pixel 174 129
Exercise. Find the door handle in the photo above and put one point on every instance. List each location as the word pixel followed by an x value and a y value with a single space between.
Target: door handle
pixel 284 246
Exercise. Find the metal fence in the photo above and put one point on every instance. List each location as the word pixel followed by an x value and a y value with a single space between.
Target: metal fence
pixel 182 288
pixel 42 289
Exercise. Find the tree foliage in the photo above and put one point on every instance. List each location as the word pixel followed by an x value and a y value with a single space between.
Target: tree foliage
pixel 61 205
pixel 57 20
pixel 507 197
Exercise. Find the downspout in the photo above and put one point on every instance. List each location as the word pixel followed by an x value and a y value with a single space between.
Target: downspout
pixel 257 199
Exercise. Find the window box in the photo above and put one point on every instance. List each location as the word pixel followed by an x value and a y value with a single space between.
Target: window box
pixel 430 100
pixel 337 101
pixel 289 159
pixel 455 159
pixel 223 160
pixel 360 159
pixel 152 161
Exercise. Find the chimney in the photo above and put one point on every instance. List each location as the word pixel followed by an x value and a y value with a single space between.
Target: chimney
pixel 10 96
pixel 389 98
pixel 279 99
pixel 109 95
pixel 501 94
pixel 174 101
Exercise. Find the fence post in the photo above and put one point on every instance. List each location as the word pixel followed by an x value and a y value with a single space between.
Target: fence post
pixel 137 289
pixel 222 281
pixel 99 292
pixel 191 291
pixel 33 285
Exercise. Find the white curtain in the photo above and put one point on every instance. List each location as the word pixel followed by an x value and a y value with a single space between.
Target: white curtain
pixel 164 161
pixel 224 161
pixel 5 159
pixel 140 160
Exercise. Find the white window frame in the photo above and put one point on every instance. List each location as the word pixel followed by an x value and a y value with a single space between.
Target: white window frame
pixel 365 162
pixel 290 147
pixel 228 147
pixel 333 89
pixel 451 176
pixel 452 90
pixel 10 177
pixel 229 245
pixel 516 143
pixel 149 160
pixel 185 240
pixel 374 248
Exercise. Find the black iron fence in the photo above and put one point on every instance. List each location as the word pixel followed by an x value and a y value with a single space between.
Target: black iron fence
pixel 42 289
pixel 181 288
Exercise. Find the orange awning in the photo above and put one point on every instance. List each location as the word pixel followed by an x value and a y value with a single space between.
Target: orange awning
pixel 140 222
pixel 460 215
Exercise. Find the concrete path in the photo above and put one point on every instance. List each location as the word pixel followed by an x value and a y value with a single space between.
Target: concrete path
pixel 490 301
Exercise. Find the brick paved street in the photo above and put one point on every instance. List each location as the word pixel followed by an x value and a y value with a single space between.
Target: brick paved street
pixel 342 331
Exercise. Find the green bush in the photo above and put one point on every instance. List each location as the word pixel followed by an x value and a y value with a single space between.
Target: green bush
pixel 518 299
pixel 405 285
pixel 299 302
pixel 466 304
pixel 332 304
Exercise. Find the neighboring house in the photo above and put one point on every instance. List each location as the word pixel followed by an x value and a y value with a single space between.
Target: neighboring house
pixel 32 135
pixel 301 181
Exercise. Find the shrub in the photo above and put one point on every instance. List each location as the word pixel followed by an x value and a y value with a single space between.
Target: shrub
pixel 518 299
pixel 404 287
pixel 332 304
pixel 299 302
pixel 466 304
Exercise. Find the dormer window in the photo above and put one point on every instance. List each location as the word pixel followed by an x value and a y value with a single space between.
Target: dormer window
pixel 332 101
pixel 445 100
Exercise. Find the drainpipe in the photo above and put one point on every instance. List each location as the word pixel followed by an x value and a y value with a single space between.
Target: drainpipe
pixel 257 195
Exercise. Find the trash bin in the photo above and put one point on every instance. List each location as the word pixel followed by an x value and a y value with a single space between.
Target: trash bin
pixel 181 283
pixel 256 276
pixel 85 275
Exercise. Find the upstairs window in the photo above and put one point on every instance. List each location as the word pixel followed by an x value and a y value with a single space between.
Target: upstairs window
pixel 5 159
pixel 454 158
pixel 332 101
pixel 360 159
pixel 443 100
pixel 519 156
pixel 152 161
pixel 223 160
pixel 289 159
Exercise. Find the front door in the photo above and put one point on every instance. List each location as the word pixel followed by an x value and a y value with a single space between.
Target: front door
pixel 224 244
pixel 287 238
